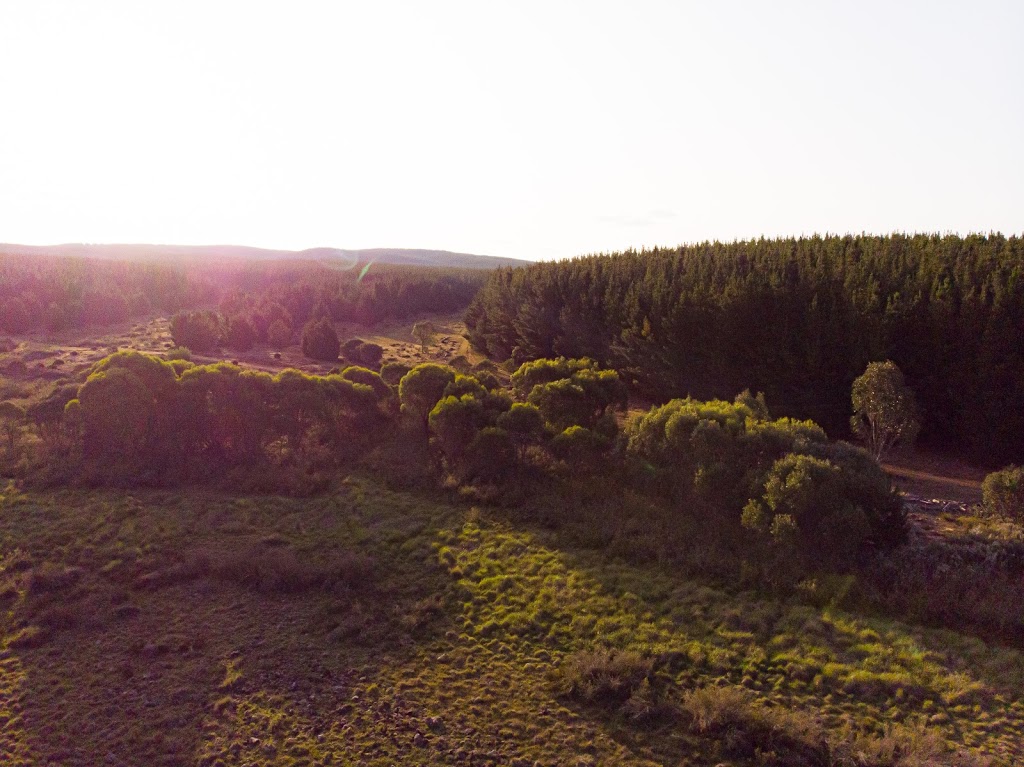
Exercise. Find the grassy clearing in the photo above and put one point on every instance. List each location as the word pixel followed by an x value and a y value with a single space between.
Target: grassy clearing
pixel 857 676
pixel 375 627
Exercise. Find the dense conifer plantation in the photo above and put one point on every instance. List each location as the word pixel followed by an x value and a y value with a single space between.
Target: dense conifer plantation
pixel 797 318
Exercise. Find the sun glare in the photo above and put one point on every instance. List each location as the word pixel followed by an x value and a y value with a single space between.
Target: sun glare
pixel 529 130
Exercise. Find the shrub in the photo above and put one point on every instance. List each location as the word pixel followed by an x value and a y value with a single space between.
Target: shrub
pixel 602 675
pixel 454 422
pixel 370 354
pixel 241 334
pixel 422 388
pixel 320 341
pixel 28 638
pixel 524 424
pixel 117 412
pixel 351 349
pixel 61 617
pixel 885 411
pixel 544 371
pixel 580 398
pixel 578 447
pixel 805 510
pixel 11 418
pixel 393 372
pixel 178 353
pixel 826 499
pixel 279 334
pixel 199 331
pixel 964 583
pixel 180 366
pixel 465 385
pixel 369 378
pixel 487 379
pixel 490 456
pixel 1003 493
pixel 714 708
pixel 50 577
pixel 461 363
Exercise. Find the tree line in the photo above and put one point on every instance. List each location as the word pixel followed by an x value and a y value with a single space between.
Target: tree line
pixel 777 484
pixel 57 293
pixel 139 419
pixel 720 487
pixel 282 305
pixel 797 318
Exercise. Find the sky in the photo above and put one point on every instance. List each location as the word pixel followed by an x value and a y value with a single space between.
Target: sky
pixel 533 130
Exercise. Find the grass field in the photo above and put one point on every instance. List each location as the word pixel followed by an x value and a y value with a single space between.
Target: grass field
pixel 377 627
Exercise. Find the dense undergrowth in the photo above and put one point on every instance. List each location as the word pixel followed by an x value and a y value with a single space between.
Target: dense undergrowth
pixel 719 489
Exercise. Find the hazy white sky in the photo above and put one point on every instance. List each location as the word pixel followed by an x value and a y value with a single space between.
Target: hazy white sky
pixel 525 129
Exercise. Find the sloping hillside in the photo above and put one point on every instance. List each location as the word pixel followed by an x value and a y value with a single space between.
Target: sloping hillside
pixel 208 253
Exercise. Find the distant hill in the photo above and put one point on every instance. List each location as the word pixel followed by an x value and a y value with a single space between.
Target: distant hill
pixel 210 253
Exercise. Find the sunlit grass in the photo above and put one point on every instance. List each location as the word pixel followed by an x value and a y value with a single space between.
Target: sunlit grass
pixel 219 630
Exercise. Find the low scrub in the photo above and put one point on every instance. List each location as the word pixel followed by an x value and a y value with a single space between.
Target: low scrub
pixel 602 675
pixel 1003 493
pixel 952 583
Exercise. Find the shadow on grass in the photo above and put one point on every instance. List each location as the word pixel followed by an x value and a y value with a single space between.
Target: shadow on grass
pixel 526 588
pixel 159 661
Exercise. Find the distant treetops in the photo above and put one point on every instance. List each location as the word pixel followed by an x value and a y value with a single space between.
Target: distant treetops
pixel 266 302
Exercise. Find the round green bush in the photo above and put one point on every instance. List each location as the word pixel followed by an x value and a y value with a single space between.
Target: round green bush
pixel 1002 493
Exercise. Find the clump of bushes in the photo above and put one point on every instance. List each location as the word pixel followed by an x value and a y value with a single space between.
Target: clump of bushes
pixel 138 418
pixel 393 372
pixel 200 331
pixel 798 496
pixel 361 352
pixel 952 583
pixel 320 340
pixel 602 675
pixel 1003 493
